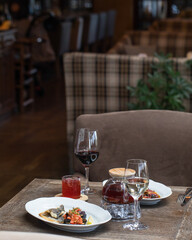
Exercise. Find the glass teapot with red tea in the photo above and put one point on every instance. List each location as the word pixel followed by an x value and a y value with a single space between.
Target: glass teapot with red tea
pixel 114 190
pixel 115 197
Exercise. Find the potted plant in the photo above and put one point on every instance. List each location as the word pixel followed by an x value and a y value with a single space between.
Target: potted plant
pixel 164 88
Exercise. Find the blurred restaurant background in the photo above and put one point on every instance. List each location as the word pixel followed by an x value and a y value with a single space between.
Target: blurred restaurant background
pixel 36 92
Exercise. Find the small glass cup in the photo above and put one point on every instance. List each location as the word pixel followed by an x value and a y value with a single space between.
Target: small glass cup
pixel 71 186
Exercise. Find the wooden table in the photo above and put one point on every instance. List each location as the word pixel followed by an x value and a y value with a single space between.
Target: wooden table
pixel 166 220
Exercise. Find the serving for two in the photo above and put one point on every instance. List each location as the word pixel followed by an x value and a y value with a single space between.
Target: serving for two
pixel 121 194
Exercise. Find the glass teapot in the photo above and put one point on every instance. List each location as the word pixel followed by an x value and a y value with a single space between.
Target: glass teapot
pixel 115 197
pixel 114 191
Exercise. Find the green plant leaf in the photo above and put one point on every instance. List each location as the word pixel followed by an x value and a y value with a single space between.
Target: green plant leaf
pixel 164 87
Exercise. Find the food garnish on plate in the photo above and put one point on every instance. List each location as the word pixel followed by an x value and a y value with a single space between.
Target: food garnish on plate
pixel 150 194
pixel 59 215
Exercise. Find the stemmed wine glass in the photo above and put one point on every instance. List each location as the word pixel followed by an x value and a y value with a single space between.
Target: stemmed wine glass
pixel 86 149
pixel 136 185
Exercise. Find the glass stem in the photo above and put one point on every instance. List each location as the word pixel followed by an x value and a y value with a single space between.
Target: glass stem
pixel 135 219
pixel 87 178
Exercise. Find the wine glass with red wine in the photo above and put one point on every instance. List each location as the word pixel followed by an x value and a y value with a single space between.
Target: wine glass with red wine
pixel 86 150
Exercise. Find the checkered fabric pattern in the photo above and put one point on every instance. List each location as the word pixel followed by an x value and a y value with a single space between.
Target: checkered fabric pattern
pixel 172 25
pixel 96 83
pixel 178 44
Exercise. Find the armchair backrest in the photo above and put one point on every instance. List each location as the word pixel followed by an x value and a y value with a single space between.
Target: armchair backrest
pixel 172 25
pixel 163 138
pixel 177 44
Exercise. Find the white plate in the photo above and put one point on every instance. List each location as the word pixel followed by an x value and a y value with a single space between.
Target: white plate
pixel 15 235
pixel 159 188
pixel 100 216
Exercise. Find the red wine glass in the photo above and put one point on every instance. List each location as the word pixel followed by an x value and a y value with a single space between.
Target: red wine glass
pixel 86 150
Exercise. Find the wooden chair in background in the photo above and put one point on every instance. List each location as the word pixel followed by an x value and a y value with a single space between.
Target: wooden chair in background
pixel 110 28
pixel 59 33
pixel 102 32
pixel 25 72
pixel 90 33
pixel 77 34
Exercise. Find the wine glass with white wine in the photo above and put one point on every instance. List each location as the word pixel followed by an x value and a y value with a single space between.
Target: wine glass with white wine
pixel 136 185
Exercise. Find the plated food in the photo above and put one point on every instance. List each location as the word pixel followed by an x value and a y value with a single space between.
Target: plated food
pixel 59 215
pixel 160 189
pixel 150 194
pixel 95 215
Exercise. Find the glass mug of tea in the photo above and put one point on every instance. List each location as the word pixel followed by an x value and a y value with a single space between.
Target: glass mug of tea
pixel 71 186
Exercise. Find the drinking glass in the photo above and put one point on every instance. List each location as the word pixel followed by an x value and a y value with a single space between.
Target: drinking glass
pixel 136 185
pixel 71 186
pixel 86 149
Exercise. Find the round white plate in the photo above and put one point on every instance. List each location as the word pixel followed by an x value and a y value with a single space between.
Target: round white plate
pixel 159 188
pixel 99 215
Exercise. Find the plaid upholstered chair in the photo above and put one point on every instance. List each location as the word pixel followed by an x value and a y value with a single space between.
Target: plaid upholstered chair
pixel 172 25
pixel 96 83
pixel 176 43
pixel 163 138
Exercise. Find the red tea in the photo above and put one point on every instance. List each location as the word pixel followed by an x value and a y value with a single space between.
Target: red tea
pixel 115 192
pixel 71 187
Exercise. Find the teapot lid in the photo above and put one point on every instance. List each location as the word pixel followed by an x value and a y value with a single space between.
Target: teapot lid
pixel 120 172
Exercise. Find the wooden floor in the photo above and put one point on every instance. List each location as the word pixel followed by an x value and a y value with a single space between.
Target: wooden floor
pixel 33 144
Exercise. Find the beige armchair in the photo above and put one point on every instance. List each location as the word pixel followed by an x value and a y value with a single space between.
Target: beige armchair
pixel 163 138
